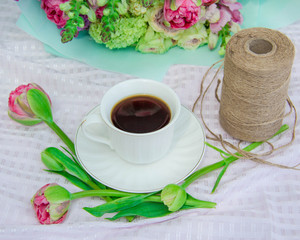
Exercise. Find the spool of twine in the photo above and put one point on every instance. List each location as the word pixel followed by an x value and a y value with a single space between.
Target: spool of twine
pixel 257 67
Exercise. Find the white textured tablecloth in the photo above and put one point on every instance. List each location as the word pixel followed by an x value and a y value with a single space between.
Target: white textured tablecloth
pixel 254 201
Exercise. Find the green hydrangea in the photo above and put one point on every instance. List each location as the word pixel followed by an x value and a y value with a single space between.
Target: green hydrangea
pixel 128 32
pixel 95 31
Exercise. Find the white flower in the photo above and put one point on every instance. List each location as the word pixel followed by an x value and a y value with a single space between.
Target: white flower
pixel 235 27
pixel 212 14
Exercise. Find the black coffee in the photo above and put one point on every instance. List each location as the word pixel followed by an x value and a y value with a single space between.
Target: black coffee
pixel 140 114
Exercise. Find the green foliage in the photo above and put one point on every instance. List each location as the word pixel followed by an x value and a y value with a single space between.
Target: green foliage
pixel 117 205
pixel 72 9
pixel 109 19
pixel 153 210
pixel 225 162
pixel 147 3
pixel 72 179
pixel 55 155
pixel 52 155
pixel 154 42
pixel 136 8
pixel 145 209
pixel 192 37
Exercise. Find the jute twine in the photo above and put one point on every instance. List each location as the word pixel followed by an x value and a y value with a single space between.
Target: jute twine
pixel 257 68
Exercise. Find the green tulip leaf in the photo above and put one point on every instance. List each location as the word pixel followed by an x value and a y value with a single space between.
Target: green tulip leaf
pixel 72 179
pixel 51 162
pixel 100 185
pixel 196 203
pixel 117 205
pixel 145 209
pixel 58 156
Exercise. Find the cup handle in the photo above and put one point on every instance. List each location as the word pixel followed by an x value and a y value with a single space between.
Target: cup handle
pixel 95 129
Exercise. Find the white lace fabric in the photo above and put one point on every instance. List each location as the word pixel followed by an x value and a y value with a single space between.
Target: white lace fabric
pixel 254 201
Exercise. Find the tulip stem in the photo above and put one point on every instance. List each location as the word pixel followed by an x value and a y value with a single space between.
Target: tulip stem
pixel 225 162
pixel 154 198
pixel 62 135
pixel 100 193
pixel 202 172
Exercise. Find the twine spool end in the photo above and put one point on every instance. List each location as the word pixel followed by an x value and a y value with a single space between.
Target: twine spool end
pixel 260 47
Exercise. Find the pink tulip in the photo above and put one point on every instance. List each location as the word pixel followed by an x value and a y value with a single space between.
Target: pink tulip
pixel 19 108
pixel 231 4
pixel 225 17
pixel 29 105
pixel 208 2
pixel 181 14
pixel 51 204
pixel 233 7
pixel 54 14
pixel 237 17
pixel 225 11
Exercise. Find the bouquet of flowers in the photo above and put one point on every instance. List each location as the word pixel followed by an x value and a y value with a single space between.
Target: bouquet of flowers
pixel 150 26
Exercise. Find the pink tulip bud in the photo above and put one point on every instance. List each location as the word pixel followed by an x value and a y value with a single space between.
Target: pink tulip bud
pixel 51 204
pixel 19 108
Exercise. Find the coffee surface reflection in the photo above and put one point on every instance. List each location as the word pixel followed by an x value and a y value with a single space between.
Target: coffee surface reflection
pixel 140 114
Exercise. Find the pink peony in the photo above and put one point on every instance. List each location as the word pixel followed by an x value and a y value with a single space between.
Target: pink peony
pixel 54 209
pixel 19 109
pixel 181 14
pixel 54 14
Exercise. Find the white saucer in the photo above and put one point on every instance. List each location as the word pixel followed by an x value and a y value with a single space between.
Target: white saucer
pixel 108 168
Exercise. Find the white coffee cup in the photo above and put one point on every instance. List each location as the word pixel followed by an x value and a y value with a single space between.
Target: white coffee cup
pixel 138 148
